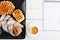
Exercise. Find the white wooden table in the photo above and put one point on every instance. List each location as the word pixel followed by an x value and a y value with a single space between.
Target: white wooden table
pixel 34 13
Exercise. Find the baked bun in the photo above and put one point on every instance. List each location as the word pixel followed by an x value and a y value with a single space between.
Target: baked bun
pixel 18 15
pixel 6 7
pixel 16 29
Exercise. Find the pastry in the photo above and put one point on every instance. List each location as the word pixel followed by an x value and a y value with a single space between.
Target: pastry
pixel 16 29
pixel 6 7
pixel 11 26
pixel 18 15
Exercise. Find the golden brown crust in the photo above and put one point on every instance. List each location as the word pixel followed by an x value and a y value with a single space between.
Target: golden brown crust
pixel 18 15
pixel 6 7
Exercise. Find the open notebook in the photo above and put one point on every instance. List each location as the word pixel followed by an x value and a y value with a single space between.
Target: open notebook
pixel 51 15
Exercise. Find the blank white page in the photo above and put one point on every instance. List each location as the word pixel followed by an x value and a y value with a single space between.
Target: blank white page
pixel 51 16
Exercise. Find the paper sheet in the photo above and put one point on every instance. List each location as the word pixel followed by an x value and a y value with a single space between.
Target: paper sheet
pixel 51 16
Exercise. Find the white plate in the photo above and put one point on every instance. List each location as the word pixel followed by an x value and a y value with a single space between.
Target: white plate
pixel 28 30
